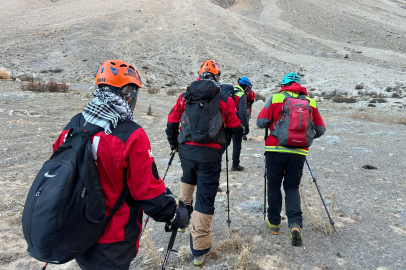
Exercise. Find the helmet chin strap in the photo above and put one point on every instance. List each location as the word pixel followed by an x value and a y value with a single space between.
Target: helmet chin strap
pixel 135 97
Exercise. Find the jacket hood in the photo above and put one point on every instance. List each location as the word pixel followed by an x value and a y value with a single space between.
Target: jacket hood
pixel 204 89
pixel 295 88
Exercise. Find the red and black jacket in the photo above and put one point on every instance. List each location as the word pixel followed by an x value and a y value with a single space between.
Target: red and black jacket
pixel 127 148
pixel 271 114
pixel 250 100
pixel 208 152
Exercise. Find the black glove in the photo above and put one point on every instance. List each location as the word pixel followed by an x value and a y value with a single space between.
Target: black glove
pixel 174 147
pixel 180 220
pixel 246 130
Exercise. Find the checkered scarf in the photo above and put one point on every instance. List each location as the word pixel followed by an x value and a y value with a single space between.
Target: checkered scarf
pixel 107 109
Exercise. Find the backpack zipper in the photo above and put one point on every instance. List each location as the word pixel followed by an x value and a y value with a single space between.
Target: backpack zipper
pixel 65 195
pixel 300 124
pixel 31 211
pixel 83 193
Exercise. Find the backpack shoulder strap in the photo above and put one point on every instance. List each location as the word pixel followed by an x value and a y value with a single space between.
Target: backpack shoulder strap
pixel 120 199
pixel 286 95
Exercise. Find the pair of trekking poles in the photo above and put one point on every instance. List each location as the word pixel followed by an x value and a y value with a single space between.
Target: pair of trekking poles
pixel 314 181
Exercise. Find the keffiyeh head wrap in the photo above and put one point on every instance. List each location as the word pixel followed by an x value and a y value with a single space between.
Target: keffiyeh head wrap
pixel 107 108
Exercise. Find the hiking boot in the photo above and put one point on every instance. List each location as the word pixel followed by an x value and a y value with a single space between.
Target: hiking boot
pixel 274 228
pixel 181 230
pixel 296 235
pixel 244 137
pixel 198 261
pixel 237 168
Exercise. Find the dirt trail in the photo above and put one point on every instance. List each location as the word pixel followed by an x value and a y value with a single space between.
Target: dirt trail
pixel 369 205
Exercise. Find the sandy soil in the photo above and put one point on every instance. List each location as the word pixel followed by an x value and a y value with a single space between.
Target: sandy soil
pixel 368 206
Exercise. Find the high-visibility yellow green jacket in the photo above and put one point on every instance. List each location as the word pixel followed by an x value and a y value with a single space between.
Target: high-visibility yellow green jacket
pixel 271 114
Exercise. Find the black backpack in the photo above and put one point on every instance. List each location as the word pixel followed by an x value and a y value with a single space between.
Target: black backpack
pixel 228 89
pixel 64 213
pixel 201 121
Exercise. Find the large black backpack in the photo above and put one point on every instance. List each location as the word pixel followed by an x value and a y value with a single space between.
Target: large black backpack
pixel 201 121
pixel 64 213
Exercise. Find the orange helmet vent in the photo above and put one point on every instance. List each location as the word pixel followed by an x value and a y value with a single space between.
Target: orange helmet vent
pixel 209 66
pixel 117 73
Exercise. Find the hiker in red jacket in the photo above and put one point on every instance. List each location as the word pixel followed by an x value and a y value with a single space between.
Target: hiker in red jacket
pixel 122 151
pixel 286 162
pixel 250 100
pixel 201 162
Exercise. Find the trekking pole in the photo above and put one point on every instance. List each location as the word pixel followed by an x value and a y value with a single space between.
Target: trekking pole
pixel 265 172
pixel 314 181
pixel 228 191
pixel 163 179
pixel 172 240
pixel 45 266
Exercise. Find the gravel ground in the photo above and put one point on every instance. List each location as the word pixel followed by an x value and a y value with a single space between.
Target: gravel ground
pixel 368 206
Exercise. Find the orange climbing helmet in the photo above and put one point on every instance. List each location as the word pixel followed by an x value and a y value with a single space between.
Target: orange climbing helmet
pixel 117 73
pixel 210 66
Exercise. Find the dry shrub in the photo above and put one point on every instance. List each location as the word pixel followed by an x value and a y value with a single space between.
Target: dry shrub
pixel 233 242
pixel 153 90
pixel 380 118
pixel 185 254
pixel 396 95
pixel 258 96
pixel 334 205
pixel 244 259
pixel 317 218
pixel 149 112
pixel 50 86
pixel 4 74
pixel 344 100
pixel 35 87
pixel 151 258
pixel 378 100
pixel 172 92
pixel 372 94
pixel 7 257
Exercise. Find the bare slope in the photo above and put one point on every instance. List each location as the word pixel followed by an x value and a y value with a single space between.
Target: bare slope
pixel 170 39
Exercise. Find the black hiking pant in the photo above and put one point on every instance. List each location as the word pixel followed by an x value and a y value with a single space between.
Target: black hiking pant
pixel 288 167
pixel 237 141
pixel 205 177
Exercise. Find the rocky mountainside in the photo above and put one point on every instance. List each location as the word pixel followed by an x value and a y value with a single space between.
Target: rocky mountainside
pixel 334 44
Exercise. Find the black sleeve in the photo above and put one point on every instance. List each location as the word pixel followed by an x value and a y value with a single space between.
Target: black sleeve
pixel 161 208
pixel 320 130
pixel 172 132
pixel 242 110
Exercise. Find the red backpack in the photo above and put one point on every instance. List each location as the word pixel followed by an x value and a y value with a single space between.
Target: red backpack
pixel 295 128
